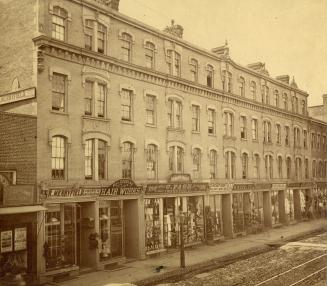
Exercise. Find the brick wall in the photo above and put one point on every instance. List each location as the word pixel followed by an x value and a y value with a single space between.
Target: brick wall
pixel 18 27
pixel 18 146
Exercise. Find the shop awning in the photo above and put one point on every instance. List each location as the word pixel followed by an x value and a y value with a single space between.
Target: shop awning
pixel 22 209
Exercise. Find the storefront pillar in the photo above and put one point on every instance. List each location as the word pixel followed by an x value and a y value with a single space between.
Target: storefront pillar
pixel 40 262
pixel 281 206
pixel 141 237
pixel 267 209
pixel 227 214
pixel 297 205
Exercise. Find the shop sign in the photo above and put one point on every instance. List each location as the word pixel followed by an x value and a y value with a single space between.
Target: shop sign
pixel 15 195
pixel 6 241
pixel 278 187
pixel 294 185
pixel 176 188
pixel 321 185
pixel 20 238
pixel 17 96
pixel 220 187
pixel 262 186
pixel 123 187
pixel 307 185
pixel 243 187
pixel 180 178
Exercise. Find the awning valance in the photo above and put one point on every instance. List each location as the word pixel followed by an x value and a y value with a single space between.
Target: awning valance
pixel 21 209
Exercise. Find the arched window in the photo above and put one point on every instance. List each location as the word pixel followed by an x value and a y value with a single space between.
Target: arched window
pixel 174 113
pixel 242 86
pixel 149 55
pixel 265 94
pixel 276 94
pixel 278 134
pixel 230 167
pixel 228 123
pixel 306 168
pixel 288 168
pixel 243 123
pixel 269 166
pixel 194 69
pixel 267 132
pixel 59 23
pixel 253 90
pixel 244 166
pixel 176 159
pixel 280 167
pixel 174 63
pixel 58 158
pixel 213 164
pixel 256 166
pixel 151 161
pixel 209 69
pixel 196 163
pixel 297 137
pixel 227 81
pixel 313 168
pixel 298 168
pixel 95 160
pixel 285 101
pixel 126 47
pixel 127 160
pixel 287 136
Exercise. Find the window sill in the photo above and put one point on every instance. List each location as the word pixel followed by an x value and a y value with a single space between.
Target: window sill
pixel 127 122
pixel 172 129
pixel 212 134
pixel 195 132
pixel 150 125
pixel 96 118
pixel 226 137
pixel 244 139
pixel 255 140
pixel 267 143
pixel 59 112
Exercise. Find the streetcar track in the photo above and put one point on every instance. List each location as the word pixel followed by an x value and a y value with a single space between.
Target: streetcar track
pixel 309 276
pixel 289 270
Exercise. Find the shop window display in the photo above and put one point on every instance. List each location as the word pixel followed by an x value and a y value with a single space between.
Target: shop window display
pixel 253 213
pixel 152 224
pixel 171 231
pixel 319 203
pixel 289 205
pixel 214 222
pixel 305 205
pixel 238 213
pixel 274 208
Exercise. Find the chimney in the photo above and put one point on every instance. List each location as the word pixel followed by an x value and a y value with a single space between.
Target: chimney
pixel 283 78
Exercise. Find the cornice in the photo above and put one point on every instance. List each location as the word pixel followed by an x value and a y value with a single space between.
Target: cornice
pixel 79 55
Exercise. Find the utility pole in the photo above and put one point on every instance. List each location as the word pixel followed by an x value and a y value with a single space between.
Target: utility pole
pixel 181 234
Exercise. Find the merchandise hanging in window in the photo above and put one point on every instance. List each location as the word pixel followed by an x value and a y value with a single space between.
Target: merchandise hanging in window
pixel 152 224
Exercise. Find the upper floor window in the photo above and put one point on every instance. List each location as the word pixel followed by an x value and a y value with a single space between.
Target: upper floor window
pixel 59 22
pixel 269 166
pixel 287 136
pixel 149 55
pixel 242 86
pixel 278 134
pixel 210 73
pixel 95 99
pixel 305 138
pixel 323 143
pixel 127 159
pixel 196 163
pixel 211 121
pixel 151 161
pixel 195 118
pixel 230 168
pixel 298 168
pixel 306 168
pixel 213 164
pixel 58 158
pixel 285 101
pixel 95 35
pixel 176 159
pixel 174 63
pixel 280 167
pixel 150 109
pixel 194 67
pixel 297 137
pixel 293 103
pixel 126 105
pixel 265 94
pixel 228 123
pixel 276 94
pixel 318 142
pixel 126 47
pixel 288 167
pixel 313 139
pixel 267 131
pixel 254 127
pixel 243 124
pixel 303 107
pixel 244 166
pixel 174 114
pixel 227 81
pixel 296 105
pixel 253 90
pixel 256 166
pixel 59 90
pixel 313 168
pixel 95 160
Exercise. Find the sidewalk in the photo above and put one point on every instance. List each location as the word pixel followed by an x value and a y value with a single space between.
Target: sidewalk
pixel 142 269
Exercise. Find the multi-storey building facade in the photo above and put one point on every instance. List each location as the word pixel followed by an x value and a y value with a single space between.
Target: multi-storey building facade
pixel 138 129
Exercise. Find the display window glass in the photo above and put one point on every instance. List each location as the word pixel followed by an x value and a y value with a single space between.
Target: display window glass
pixel 305 202
pixel 274 208
pixel 289 205
pixel 253 211
pixel 319 203
pixel 171 231
pixel 153 237
pixel 238 213
pixel 214 222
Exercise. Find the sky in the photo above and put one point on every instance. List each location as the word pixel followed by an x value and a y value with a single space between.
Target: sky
pixel 289 36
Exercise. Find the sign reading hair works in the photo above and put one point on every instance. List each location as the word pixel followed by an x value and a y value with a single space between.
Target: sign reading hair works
pixel 17 96
pixel 176 188
pixel 123 187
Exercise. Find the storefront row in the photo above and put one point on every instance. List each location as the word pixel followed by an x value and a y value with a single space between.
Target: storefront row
pixel 99 227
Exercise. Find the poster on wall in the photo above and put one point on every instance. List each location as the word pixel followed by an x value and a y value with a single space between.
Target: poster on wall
pixel 6 241
pixel 20 238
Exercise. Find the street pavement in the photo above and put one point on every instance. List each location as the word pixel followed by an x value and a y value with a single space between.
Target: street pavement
pixel 144 269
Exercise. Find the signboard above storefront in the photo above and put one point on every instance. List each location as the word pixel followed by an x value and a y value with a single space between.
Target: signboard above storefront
pixel 220 187
pixel 17 96
pixel 123 187
pixel 176 188
pixel 17 195
pixel 180 178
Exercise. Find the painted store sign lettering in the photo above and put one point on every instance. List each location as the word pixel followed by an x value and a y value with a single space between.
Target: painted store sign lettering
pixel 17 96
pixel 176 188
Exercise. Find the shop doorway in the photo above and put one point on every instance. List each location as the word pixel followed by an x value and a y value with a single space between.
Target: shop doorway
pixel 131 228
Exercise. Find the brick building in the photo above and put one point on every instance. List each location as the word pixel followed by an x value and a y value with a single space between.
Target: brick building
pixel 137 127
